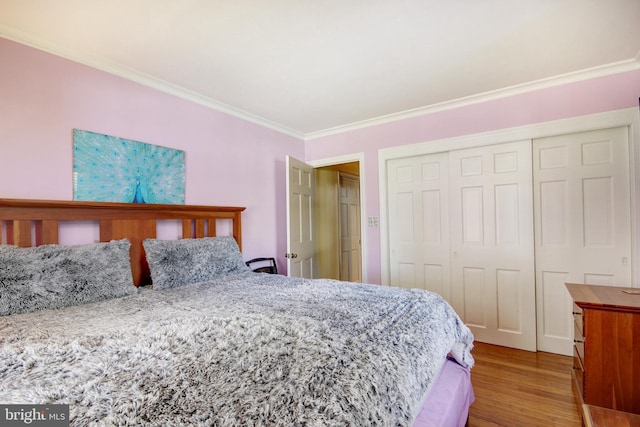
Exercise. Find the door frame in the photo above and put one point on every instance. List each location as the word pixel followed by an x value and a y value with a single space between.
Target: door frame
pixel 348 158
pixel 624 117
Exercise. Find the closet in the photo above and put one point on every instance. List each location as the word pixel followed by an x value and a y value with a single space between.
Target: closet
pixel 498 229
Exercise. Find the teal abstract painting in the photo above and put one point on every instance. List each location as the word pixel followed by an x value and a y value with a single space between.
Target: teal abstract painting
pixel 111 169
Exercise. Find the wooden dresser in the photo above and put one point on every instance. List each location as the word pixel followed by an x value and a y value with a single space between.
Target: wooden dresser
pixel 595 416
pixel 606 360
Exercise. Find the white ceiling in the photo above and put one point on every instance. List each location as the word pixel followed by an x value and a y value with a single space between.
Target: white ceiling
pixel 313 67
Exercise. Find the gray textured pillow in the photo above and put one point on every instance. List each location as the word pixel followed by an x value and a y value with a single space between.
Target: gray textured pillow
pixel 175 263
pixel 54 276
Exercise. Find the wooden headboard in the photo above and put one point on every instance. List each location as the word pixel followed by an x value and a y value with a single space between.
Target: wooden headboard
pixel 36 222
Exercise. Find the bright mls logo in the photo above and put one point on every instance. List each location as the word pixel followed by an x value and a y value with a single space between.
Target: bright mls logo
pixel 34 415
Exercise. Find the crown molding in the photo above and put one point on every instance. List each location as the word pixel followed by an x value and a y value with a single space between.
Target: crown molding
pixel 181 92
pixel 141 78
pixel 582 75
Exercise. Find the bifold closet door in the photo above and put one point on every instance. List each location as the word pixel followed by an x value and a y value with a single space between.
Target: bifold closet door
pixel 492 243
pixel 419 222
pixel 582 221
pixel 461 225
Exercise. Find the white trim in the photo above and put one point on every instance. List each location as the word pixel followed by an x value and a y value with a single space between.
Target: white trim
pixel 626 117
pixel 582 75
pixel 142 78
pixel 189 95
pixel 634 172
pixel 347 158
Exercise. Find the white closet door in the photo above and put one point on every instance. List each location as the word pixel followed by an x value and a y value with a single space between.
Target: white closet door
pixel 418 207
pixel 492 244
pixel 582 222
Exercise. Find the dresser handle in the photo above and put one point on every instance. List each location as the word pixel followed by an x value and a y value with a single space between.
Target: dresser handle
pixel 578 341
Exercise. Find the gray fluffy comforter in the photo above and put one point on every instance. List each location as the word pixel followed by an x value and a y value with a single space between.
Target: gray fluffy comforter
pixel 248 350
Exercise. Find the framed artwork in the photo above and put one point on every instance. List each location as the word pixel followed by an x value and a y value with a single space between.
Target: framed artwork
pixel 111 169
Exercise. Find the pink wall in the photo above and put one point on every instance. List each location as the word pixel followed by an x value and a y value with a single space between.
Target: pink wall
pixel 229 161
pixel 592 96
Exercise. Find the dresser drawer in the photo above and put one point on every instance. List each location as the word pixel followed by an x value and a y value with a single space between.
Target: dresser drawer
pixel 578 374
pixel 578 341
pixel 578 319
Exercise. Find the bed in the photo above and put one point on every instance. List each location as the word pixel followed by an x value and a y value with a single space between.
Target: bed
pixel 137 329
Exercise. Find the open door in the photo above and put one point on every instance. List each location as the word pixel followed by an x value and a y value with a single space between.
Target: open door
pixel 301 245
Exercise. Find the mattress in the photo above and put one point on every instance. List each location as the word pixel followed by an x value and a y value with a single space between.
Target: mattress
pixel 447 403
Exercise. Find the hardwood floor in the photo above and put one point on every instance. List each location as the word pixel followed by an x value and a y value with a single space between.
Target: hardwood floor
pixel 518 388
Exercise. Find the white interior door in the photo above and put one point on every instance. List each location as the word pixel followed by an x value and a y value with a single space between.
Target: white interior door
pixel 350 250
pixel 492 243
pixel 418 207
pixel 301 248
pixel 582 220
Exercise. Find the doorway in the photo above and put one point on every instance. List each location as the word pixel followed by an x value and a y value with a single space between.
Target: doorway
pixel 338 222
